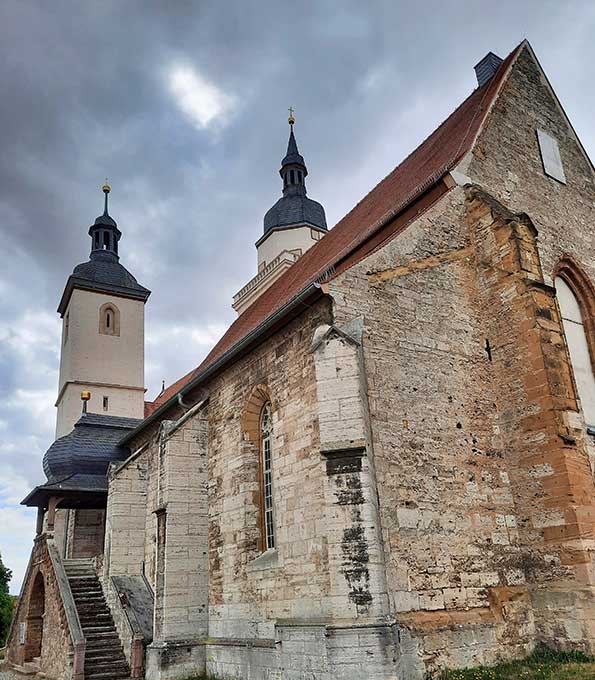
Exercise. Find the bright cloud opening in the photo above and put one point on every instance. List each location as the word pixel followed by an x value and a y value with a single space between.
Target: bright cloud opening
pixel 201 101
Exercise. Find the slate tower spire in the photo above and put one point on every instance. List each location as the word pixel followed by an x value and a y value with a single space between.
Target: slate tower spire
pixel 294 208
pixel 292 226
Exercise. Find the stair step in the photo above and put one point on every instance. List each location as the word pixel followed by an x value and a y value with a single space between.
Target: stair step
pixel 91 631
pixel 88 612
pixel 95 647
pixel 113 639
pixel 115 666
pixel 92 617
pixel 86 591
pixel 104 657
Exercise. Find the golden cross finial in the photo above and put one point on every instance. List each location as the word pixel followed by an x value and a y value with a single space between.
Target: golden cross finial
pixel 291 119
pixel 106 187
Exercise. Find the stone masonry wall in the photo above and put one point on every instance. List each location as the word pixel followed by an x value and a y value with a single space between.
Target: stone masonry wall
pixel 124 536
pixel 249 591
pixel 550 472
pixel 449 523
pixel 463 573
pixel 510 167
pixel 126 518
pixel 506 162
pixel 56 646
pixel 88 533
pixel 181 603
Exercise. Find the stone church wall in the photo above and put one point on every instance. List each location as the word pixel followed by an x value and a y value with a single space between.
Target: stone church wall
pixel 302 609
pixel 474 575
pixel 556 489
pixel 426 444
pixel 248 590
pixel 446 509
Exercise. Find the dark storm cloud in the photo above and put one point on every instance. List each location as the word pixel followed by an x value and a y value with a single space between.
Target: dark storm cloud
pixel 88 91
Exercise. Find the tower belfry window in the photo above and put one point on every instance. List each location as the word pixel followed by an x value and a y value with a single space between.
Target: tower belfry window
pixel 109 320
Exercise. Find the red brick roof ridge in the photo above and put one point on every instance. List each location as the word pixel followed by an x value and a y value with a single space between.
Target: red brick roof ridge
pixel 279 294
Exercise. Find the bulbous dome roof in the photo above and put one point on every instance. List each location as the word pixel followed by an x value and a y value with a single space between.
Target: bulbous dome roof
pixel 88 449
pixel 295 209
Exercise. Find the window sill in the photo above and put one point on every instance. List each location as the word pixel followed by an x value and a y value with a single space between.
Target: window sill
pixel 268 560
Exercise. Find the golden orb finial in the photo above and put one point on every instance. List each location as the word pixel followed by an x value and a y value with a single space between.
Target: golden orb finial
pixel 85 395
pixel 291 119
pixel 106 187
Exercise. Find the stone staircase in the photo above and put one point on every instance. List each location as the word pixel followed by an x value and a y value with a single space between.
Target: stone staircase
pixel 104 658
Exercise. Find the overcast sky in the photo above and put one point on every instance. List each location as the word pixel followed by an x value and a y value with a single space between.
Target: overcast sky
pixel 183 105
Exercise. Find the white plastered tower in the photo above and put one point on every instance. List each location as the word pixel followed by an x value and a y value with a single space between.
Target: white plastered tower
pixel 102 348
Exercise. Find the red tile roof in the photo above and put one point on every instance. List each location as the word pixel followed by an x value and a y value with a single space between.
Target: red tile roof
pixel 441 151
pixel 150 407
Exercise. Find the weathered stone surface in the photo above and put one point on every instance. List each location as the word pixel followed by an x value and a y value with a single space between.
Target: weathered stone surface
pixel 432 479
pixel 40 628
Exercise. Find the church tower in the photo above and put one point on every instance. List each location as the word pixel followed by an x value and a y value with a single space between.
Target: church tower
pixel 102 349
pixel 292 226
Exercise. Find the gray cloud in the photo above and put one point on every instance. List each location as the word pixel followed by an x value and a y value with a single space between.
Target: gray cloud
pixel 86 93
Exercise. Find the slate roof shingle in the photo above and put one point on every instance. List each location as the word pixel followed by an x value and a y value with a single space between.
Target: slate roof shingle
pixel 88 450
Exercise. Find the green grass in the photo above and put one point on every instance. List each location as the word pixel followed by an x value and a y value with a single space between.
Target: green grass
pixel 543 664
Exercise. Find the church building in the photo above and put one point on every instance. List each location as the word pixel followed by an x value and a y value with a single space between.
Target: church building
pixel 386 465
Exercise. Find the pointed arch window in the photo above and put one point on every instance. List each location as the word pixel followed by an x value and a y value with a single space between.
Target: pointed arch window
pixel 578 329
pixel 266 481
pixel 109 319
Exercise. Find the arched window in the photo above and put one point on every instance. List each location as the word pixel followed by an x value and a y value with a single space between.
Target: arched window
pixel 577 321
pixel 109 319
pixel 258 445
pixel 266 474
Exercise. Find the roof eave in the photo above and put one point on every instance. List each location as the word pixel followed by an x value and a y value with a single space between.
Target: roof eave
pixel 293 225
pixel 313 290
pixel 96 287
pixel 36 497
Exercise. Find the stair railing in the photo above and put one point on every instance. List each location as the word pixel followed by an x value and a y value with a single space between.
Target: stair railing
pixel 74 625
